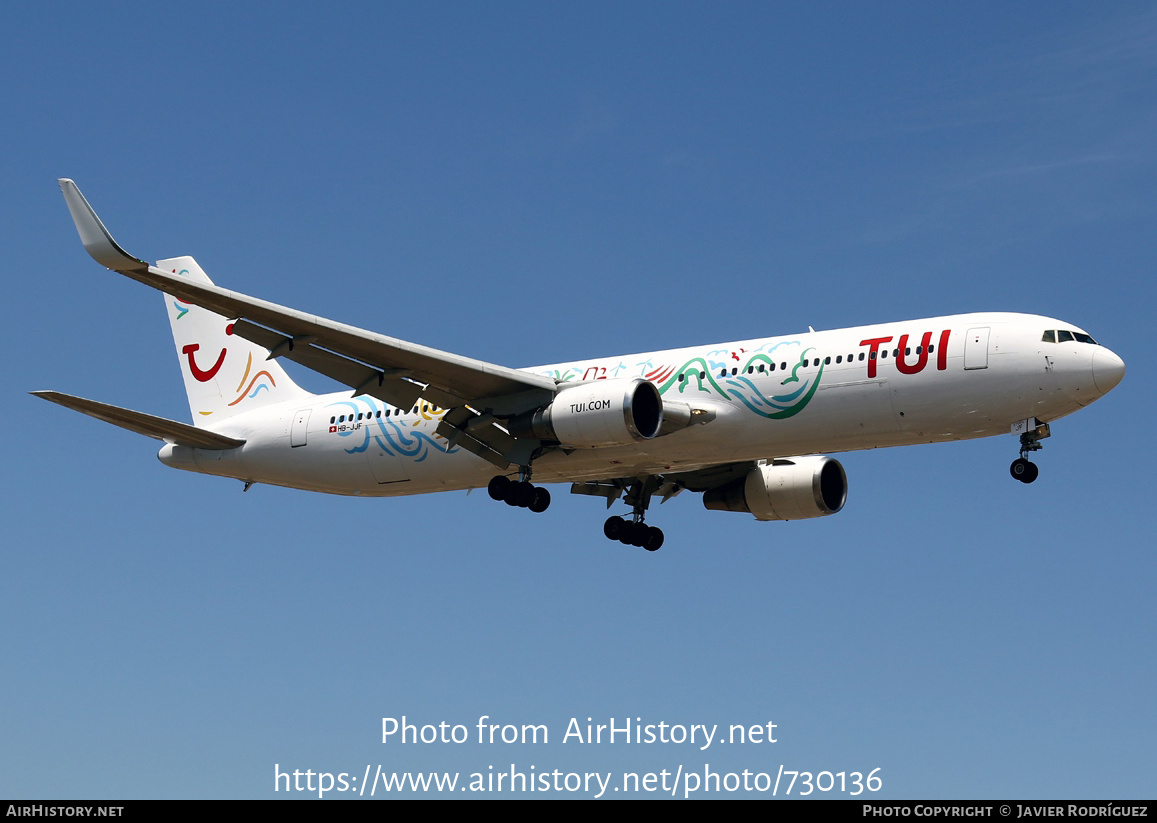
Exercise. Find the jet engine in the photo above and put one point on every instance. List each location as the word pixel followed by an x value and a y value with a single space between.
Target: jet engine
pixel 595 414
pixel 793 488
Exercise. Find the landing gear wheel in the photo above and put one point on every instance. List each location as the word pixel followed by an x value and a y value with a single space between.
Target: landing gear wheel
pixel 1019 469
pixel 520 494
pixel 540 500
pixel 614 527
pixel 497 487
pixel 653 540
pixel 630 534
pixel 1024 470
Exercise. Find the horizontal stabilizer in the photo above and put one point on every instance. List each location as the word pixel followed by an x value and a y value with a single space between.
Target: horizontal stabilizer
pixel 180 434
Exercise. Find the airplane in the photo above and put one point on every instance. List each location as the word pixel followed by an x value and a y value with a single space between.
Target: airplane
pixel 747 424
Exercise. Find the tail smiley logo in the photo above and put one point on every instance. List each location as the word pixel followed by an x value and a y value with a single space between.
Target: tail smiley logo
pixel 205 375
pixel 202 375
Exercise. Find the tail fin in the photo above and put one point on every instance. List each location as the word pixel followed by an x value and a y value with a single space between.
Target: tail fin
pixel 224 375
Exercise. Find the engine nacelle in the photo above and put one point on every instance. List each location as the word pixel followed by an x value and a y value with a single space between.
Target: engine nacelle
pixel 793 488
pixel 595 414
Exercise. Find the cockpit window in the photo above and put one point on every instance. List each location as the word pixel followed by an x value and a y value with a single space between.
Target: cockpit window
pixel 1066 336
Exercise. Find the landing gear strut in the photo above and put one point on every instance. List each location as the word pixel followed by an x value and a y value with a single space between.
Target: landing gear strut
pixel 521 492
pixel 1022 468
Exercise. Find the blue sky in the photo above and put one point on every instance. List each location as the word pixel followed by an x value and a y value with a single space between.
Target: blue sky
pixel 525 184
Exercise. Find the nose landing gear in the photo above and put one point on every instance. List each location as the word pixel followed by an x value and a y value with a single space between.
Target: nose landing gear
pixel 1022 468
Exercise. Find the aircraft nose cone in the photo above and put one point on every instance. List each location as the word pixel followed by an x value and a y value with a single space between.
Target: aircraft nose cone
pixel 1108 370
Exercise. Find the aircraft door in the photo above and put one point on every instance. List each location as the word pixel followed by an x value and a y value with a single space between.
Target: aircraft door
pixel 976 348
pixel 387 467
pixel 297 433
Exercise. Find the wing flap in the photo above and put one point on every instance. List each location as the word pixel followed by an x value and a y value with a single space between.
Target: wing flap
pixel 479 435
pixel 160 428
pixel 480 449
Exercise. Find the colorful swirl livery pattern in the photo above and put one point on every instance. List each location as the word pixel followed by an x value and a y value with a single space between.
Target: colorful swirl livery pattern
pixel 254 387
pixel 393 437
pixel 712 374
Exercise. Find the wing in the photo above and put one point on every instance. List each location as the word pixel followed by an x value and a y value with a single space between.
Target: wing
pixel 391 370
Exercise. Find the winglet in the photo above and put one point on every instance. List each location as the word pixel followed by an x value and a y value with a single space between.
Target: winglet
pixel 95 237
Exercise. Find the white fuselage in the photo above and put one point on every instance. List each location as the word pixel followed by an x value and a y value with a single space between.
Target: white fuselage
pixel 921 381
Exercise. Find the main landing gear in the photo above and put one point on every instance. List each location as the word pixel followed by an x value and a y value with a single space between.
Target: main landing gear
pixel 521 493
pixel 1022 468
pixel 630 531
pixel 633 533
